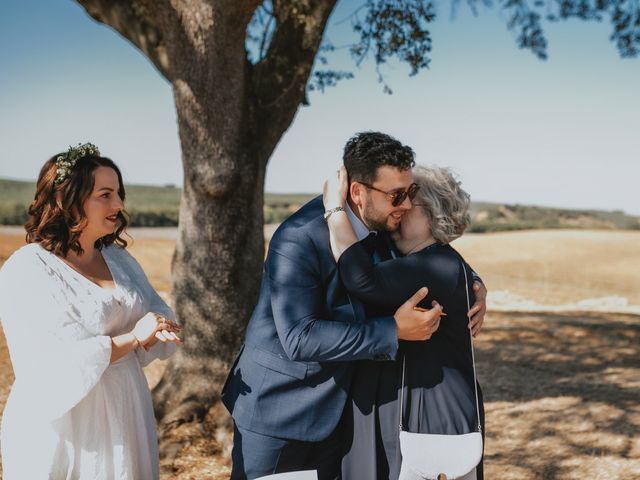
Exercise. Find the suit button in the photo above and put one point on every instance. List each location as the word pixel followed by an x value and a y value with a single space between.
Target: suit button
pixel 381 357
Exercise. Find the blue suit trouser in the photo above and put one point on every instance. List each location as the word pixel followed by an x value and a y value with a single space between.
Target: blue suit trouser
pixel 255 455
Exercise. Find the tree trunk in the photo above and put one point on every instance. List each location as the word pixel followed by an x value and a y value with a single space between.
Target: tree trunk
pixel 216 272
pixel 219 252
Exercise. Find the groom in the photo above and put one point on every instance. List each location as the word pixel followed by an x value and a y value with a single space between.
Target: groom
pixel 288 386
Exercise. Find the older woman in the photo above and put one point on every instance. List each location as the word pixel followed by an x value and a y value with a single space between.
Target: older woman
pixel 439 394
pixel 81 319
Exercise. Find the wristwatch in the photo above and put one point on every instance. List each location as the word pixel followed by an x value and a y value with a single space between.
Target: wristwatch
pixel 328 213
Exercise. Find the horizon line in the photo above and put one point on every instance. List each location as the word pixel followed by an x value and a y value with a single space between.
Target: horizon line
pixel 554 207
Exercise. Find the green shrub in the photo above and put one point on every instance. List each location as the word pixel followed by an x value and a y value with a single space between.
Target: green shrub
pixel 13 214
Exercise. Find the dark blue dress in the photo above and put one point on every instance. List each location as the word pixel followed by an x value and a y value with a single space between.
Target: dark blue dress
pixel 439 394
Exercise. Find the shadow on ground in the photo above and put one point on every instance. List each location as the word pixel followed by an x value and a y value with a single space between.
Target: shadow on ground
pixel 562 396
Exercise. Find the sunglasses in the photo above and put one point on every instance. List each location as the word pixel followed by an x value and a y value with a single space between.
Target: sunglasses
pixel 397 196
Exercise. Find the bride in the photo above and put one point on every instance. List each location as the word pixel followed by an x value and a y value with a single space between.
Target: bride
pixel 81 320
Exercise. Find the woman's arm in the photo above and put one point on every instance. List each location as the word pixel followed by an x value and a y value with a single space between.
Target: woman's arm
pixel 334 196
pixel 51 352
pixel 386 284
pixel 148 330
pixel 121 345
pixel 163 343
pixel 341 233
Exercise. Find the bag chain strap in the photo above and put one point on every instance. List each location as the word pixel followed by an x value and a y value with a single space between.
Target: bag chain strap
pixel 473 359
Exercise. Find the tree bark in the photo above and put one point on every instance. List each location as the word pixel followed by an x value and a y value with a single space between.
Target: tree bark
pixel 218 256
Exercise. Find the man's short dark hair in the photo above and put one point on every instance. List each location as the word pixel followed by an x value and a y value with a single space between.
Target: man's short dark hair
pixel 365 152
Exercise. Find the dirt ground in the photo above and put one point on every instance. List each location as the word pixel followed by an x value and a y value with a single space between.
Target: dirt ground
pixel 562 390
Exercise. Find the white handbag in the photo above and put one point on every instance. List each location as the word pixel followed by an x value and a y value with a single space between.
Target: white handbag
pixel 300 475
pixel 434 456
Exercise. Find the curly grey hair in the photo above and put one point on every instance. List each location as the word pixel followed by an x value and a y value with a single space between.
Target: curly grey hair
pixel 443 201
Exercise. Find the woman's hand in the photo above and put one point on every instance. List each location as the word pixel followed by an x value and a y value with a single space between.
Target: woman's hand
pixel 165 335
pixel 479 309
pixel 153 327
pixel 334 193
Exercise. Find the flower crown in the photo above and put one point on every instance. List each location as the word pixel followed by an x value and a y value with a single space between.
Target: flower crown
pixel 66 161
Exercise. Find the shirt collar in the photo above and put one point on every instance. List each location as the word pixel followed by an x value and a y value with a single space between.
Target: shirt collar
pixel 359 227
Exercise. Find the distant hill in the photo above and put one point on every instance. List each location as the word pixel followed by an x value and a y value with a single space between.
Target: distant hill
pixel 493 217
pixel 151 206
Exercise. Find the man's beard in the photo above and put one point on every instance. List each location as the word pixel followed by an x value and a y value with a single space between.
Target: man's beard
pixel 376 222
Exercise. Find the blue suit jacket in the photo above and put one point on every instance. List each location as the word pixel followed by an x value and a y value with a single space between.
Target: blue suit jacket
pixel 292 374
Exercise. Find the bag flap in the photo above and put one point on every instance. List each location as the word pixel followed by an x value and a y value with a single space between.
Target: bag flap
pixel 429 455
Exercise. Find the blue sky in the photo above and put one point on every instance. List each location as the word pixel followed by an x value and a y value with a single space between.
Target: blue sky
pixel 565 132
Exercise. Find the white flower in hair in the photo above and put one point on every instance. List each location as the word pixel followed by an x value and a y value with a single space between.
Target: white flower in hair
pixel 67 161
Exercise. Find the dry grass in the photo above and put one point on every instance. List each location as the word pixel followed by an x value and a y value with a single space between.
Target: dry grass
pixel 561 390
pixel 554 267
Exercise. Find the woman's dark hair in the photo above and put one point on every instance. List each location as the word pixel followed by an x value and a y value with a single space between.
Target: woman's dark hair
pixel 365 152
pixel 56 217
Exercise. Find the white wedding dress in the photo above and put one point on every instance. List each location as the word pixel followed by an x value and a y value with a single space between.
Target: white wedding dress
pixel 70 414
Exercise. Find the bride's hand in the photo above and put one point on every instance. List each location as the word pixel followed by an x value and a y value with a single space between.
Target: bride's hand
pixel 334 193
pixel 166 333
pixel 153 327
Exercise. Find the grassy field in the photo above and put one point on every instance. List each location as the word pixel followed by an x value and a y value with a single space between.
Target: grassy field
pixel 148 206
pixel 151 206
pixel 561 381
pixel 558 267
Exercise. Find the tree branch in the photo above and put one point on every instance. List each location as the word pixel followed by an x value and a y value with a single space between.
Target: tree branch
pixel 135 22
pixel 280 78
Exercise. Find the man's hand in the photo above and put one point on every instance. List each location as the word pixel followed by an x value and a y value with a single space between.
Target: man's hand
pixel 478 309
pixel 416 325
